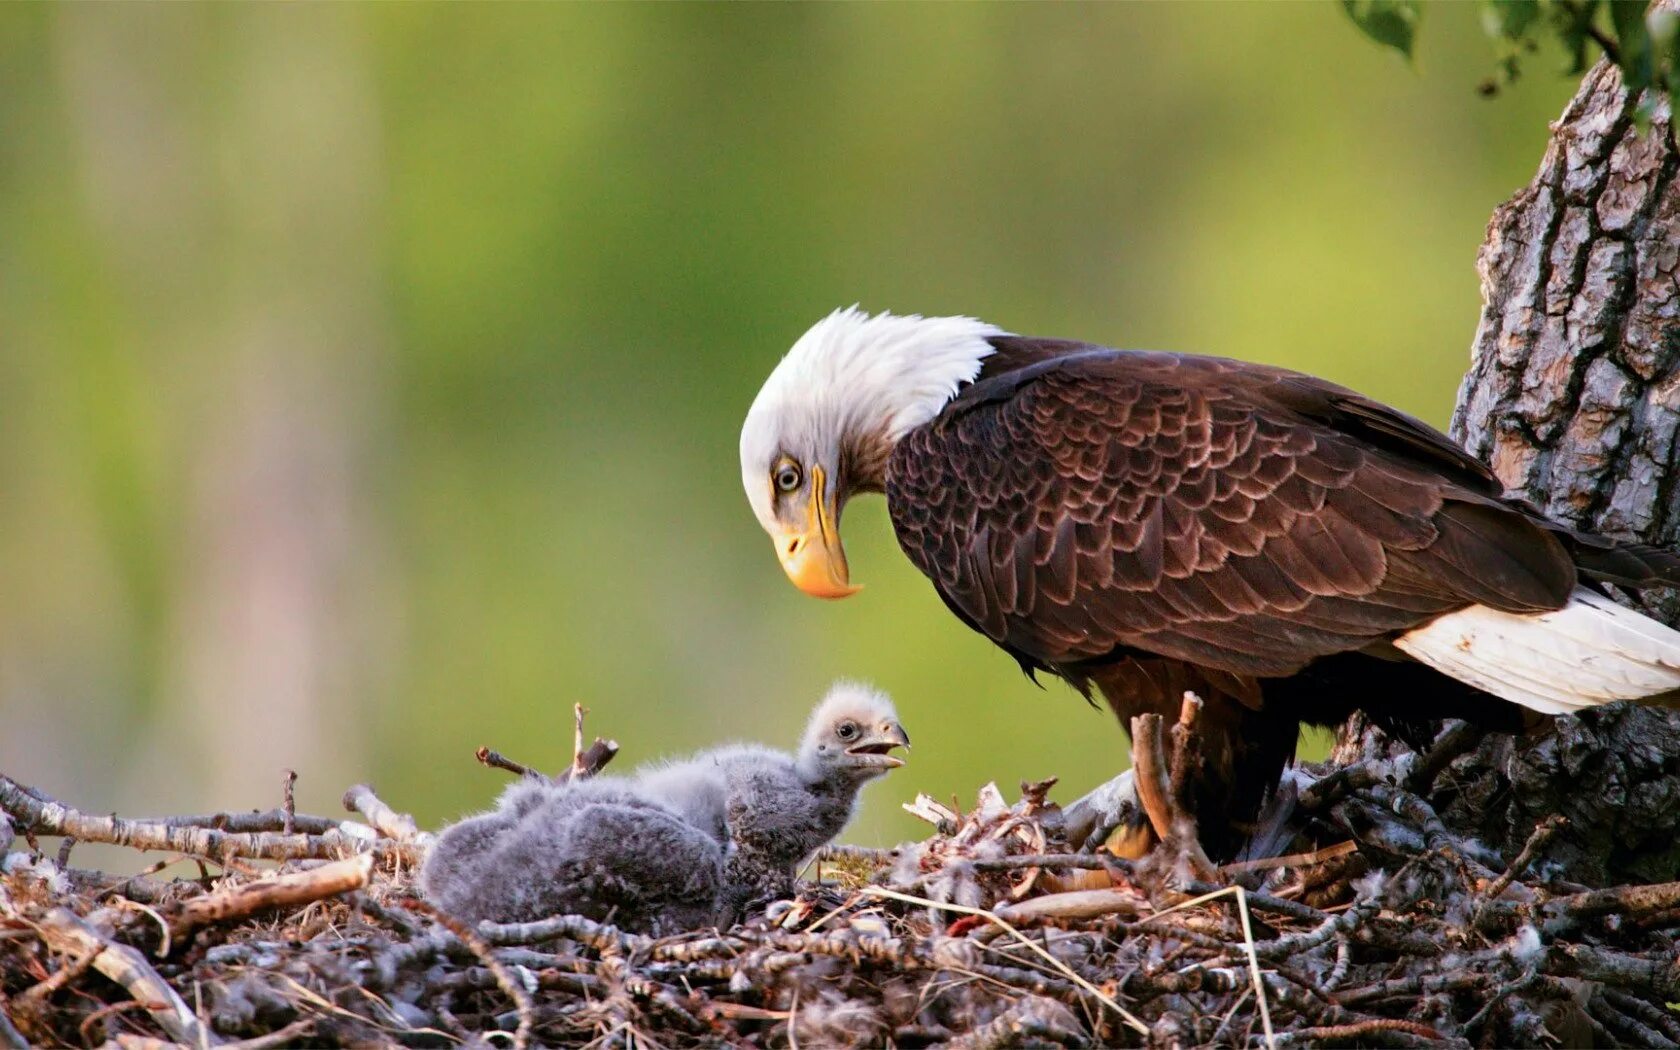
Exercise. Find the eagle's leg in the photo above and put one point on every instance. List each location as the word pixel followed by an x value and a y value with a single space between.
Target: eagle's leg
pixel 1239 752
pixel 1109 817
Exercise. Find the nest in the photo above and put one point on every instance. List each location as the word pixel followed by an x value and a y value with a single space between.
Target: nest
pixel 1392 929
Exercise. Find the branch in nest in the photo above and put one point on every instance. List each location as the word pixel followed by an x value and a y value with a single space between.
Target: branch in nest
pixel 1157 778
pixel 275 891
pixel 587 761
pixel 399 827
pixel 497 760
pixel 68 934
pixel 346 839
pixel 509 983
pixel 1075 905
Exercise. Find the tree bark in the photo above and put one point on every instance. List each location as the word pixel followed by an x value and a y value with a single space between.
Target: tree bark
pixel 1573 397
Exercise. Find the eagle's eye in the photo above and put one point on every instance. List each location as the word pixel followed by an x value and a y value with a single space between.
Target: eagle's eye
pixel 847 730
pixel 788 477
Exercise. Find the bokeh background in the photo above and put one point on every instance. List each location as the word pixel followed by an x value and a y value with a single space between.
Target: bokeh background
pixel 370 377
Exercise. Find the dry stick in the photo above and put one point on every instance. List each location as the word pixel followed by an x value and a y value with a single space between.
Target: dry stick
pixel 577 769
pixel 64 932
pixel 1033 946
pixel 346 839
pixel 573 927
pixel 1080 861
pixel 288 803
pixel 1173 824
pixel 1537 840
pixel 1293 860
pixel 1183 738
pixel 275 891
pixel 597 755
pixel 861 854
pixel 1347 1034
pixel 1075 904
pixel 497 760
pixel 99 1015
pixel 251 820
pixel 1619 900
pixel 33 998
pixel 399 826
pixel 1453 742
pixel 1248 946
pixel 486 954
pixel 587 761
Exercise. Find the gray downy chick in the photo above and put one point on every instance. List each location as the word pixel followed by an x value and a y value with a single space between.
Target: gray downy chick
pixel 596 848
pixel 781 811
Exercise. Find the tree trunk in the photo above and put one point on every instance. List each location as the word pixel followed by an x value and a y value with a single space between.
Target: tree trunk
pixel 1573 397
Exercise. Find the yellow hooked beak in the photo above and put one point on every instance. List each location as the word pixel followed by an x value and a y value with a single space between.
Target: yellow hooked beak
pixel 814 559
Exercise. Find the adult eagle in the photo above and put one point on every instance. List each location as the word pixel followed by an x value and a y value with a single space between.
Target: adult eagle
pixel 1148 523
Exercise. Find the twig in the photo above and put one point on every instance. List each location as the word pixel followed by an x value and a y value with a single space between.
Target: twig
pixel 860 854
pixel 1348 1034
pixel 1027 942
pixel 1537 840
pixel 65 932
pixel 577 767
pixel 275 891
pixel 1564 912
pixel 1337 785
pixel 575 927
pixel 1080 861
pixel 476 944
pixel 397 826
pixel 54 818
pixel 497 760
pixel 288 801
pixel 1457 739
pixel 597 755
pixel 1173 823
pixel 1293 860
pixel 1077 904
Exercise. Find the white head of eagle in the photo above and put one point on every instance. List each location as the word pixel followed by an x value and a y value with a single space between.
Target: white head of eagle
pixel 830 414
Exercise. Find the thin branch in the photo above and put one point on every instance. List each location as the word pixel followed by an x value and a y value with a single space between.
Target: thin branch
pixel 65 932
pixel 346 839
pixel 273 892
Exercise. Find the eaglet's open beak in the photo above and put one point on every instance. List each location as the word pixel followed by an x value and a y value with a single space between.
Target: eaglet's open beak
pixel 873 749
pixel 814 559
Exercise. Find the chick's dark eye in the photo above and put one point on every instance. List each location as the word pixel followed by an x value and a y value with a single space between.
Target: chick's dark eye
pixel 847 730
pixel 788 477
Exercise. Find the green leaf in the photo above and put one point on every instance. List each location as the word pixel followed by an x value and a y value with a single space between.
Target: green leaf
pixel 1509 19
pixel 1633 40
pixel 1572 21
pixel 1392 23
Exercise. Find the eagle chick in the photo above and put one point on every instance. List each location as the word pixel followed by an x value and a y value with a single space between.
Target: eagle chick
pixel 782 808
pixel 673 847
pixel 597 848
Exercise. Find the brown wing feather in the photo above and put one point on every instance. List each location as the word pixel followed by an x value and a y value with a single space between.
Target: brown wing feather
pixel 1078 503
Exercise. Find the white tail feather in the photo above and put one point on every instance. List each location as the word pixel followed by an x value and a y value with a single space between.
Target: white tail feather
pixel 1590 652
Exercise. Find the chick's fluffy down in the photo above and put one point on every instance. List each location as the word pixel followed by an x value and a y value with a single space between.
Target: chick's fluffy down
pixel 595 849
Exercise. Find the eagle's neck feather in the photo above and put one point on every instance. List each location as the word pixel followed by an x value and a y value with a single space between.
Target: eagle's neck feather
pixel 876 378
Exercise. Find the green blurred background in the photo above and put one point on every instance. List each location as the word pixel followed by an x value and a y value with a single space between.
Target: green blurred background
pixel 370 377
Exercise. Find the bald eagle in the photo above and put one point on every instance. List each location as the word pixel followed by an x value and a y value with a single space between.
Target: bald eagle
pixel 1150 523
